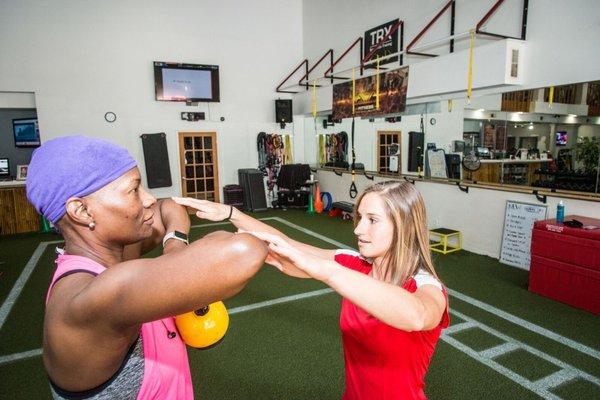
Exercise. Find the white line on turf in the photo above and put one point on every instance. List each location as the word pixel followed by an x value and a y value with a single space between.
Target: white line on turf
pixel 499 350
pixel 491 364
pixel 459 327
pixel 22 280
pixel 20 356
pixel 540 354
pixel 526 324
pixel 280 300
pixel 541 387
pixel 556 379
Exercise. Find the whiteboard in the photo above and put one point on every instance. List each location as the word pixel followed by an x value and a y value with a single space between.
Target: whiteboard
pixel 436 161
pixel 516 236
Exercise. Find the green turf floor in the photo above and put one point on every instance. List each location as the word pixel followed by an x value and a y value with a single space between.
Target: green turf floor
pixel 293 350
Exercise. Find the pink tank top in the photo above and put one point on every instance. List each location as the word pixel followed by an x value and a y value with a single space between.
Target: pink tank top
pixel 166 367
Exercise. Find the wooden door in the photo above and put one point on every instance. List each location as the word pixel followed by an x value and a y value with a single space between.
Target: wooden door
pixel 384 140
pixel 199 165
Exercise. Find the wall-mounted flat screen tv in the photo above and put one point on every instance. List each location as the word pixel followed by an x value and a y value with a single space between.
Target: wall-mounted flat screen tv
pixel 561 138
pixel 26 132
pixel 186 82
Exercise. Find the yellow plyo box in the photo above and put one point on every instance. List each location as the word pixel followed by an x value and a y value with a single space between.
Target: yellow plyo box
pixel 444 240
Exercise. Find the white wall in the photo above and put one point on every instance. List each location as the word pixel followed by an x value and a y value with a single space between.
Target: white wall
pixel 84 58
pixel 14 100
pixel 557 31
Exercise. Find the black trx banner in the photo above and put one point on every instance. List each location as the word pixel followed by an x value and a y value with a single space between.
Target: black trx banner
pixel 373 37
pixel 392 95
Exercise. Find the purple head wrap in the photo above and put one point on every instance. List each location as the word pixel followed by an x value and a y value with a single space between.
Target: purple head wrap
pixel 72 166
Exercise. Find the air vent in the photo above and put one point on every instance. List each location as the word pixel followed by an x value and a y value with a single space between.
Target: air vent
pixel 514 64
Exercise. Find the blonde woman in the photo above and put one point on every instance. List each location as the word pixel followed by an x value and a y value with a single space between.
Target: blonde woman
pixel 394 305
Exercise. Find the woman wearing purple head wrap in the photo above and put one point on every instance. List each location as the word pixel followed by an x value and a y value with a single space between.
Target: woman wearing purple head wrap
pixel 108 330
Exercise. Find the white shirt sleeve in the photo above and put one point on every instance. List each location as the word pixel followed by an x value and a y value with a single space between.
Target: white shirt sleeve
pixel 425 278
pixel 349 252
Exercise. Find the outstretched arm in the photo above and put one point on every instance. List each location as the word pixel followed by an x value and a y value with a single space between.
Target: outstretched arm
pixel 218 212
pixel 391 304
pixel 213 268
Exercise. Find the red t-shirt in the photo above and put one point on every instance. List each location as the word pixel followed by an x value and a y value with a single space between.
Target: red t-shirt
pixel 383 362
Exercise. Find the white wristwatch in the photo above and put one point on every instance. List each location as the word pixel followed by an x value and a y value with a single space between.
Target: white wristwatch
pixel 176 235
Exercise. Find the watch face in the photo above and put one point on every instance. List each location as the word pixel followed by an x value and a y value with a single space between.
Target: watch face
pixel 180 235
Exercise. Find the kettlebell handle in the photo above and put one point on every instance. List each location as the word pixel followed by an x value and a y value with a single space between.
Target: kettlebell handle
pixel 202 311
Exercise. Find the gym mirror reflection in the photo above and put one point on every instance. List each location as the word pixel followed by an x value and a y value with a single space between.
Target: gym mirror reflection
pixel 532 141
pixel 381 144
pixel 518 138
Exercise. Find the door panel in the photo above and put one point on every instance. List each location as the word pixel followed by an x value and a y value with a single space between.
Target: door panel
pixel 384 140
pixel 199 168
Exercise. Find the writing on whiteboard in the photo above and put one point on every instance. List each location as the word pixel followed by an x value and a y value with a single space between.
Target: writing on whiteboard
pixel 516 236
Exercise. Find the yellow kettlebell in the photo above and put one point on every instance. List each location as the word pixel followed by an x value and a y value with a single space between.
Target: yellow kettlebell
pixel 204 327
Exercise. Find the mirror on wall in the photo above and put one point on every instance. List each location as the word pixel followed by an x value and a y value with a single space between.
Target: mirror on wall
pixel 517 138
pixel 381 144
pixel 529 140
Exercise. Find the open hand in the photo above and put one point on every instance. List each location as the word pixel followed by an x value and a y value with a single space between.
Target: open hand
pixel 292 261
pixel 205 209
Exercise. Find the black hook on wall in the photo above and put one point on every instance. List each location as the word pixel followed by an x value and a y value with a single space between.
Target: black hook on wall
pixel 463 188
pixel 540 198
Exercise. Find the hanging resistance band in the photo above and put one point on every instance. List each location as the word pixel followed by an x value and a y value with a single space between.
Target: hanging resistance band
pixel 470 68
pixel 314 109
pixel 353 191
pixel 261 144
pixel 314 98
pixel 322 149
pixel 423 153
pixel 377 86
pixel 551 96
pixel 287 148
pixel 353 91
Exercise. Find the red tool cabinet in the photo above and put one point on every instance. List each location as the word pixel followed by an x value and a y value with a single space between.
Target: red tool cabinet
pixel 565 262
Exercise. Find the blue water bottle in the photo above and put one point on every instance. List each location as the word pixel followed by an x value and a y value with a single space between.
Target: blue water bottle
pixel 560 212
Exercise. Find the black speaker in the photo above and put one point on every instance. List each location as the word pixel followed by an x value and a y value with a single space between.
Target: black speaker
pixel 243 182
pixel 251 181
pixel 416 141
pixel 283 111
pixel 453 165
pixel 156 159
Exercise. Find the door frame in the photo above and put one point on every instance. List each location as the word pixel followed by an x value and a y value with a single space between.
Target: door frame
pixel 215 158
pixel 378 144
